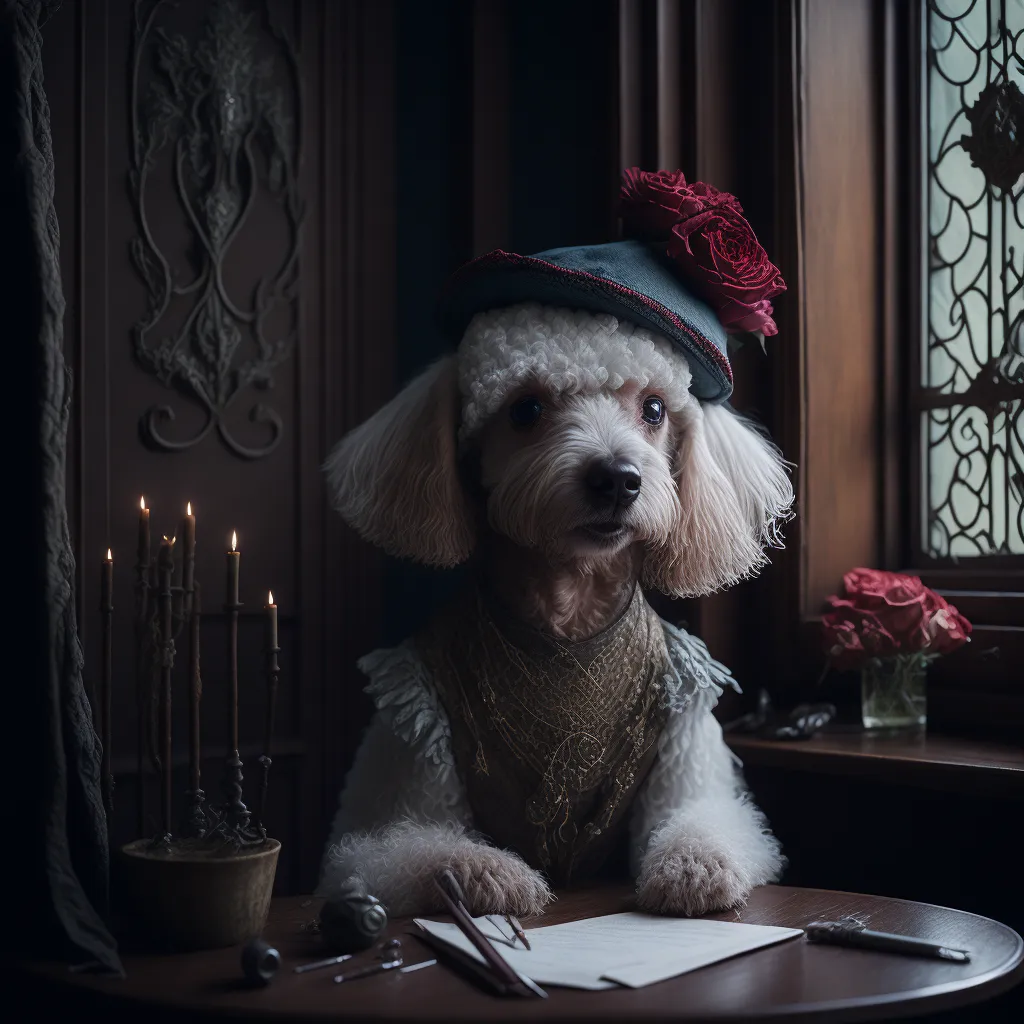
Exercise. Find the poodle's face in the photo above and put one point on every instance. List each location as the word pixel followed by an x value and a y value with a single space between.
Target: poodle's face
pixel 585 439
pixel 580 475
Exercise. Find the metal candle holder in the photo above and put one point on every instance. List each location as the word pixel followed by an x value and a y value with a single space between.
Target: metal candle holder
pixel 158 622
pixel 107 615
pixel 236 814
pixel 142 677
pixel 218 894
pixel 196 823
pixel 166 614
pixel 273 672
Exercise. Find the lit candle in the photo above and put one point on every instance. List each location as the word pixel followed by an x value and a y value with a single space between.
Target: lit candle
pixel 142 623
pixel 188 554
pixel 143 556
pixel 106 610
pixel 234 556
pixel 271 621
pixel 235 810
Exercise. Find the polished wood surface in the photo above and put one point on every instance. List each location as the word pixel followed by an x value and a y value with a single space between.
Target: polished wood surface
pixel 945 763
pixel 793 981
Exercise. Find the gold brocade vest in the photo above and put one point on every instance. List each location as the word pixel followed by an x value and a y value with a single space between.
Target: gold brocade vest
pixel 551 738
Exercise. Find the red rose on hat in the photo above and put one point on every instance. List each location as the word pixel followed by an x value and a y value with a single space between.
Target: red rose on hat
pixel 705 233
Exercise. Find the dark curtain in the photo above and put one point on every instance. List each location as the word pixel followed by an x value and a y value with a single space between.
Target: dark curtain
pixel 55 832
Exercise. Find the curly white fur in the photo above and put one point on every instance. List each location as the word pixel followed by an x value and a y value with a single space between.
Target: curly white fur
pixel 399 862
pixel 566 352
pixel 699 843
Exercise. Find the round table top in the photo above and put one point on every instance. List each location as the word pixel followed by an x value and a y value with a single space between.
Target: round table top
pixel 792 981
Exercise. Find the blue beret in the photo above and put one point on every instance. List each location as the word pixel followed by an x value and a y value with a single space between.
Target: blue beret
pixel 628 279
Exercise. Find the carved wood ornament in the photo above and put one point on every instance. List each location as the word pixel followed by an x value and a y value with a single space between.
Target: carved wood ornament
pixel 222 109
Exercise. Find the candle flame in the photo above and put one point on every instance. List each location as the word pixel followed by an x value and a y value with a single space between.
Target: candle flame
pixel 142 504
pixel 110 557
pixel 188 509
pixel 270 597
pixel 234 540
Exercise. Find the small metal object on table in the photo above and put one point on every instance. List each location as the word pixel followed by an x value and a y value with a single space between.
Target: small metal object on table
pixel 790 983
pixel 260 962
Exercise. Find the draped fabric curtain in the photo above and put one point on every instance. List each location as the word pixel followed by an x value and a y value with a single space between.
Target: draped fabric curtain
pixel 55 833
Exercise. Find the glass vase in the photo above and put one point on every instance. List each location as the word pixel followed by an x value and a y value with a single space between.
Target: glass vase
pixel 892 693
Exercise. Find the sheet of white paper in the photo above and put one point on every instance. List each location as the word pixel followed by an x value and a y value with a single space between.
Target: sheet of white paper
pixel 700 944
pixel 619 949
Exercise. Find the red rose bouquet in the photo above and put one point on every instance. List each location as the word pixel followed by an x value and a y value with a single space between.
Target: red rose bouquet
pixel 891 627
pixel 887 615
pixel 703 230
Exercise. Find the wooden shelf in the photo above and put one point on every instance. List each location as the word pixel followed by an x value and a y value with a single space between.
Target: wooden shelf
pixel 932 762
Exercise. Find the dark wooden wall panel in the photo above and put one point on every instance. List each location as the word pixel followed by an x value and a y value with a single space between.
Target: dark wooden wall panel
pixel 841 293
pixel 339 371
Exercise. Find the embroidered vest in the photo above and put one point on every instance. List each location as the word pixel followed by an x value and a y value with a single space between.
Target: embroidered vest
pixel 551 738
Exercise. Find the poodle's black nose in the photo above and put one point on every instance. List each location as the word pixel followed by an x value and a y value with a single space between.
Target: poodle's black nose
pixel 613 483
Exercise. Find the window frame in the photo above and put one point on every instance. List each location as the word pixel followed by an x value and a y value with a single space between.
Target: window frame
pixel 842 315
pixel 989 590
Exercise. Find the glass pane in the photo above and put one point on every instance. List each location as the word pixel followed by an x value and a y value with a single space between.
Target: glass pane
pixel 971 383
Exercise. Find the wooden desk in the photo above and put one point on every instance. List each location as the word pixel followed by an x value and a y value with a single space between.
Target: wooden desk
pixel 793 981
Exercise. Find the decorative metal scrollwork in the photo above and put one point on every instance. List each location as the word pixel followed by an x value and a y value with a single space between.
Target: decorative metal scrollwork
pixel 221 112
pixel 971 390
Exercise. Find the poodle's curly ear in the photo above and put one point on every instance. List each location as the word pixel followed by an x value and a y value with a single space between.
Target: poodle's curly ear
pixel 395 479
pixel 734 493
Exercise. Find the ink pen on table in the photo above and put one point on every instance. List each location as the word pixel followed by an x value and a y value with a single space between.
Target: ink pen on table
pixel 517 928
pixel 853 933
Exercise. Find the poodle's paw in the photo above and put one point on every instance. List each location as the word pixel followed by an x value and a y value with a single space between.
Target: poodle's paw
pixel 689 877
pixel 498 882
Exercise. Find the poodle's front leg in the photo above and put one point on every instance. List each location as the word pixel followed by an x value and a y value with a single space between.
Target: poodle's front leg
pixel 704 844
pixel 398 864
pixel 403 819
pixel 705 858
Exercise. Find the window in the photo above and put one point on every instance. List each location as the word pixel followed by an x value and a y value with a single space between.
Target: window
pixel 969 385
pixel 965 507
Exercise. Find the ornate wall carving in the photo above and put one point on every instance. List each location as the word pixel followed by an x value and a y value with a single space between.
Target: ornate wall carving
pixel 219 112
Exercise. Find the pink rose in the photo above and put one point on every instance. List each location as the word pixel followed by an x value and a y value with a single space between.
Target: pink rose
pixel 947 630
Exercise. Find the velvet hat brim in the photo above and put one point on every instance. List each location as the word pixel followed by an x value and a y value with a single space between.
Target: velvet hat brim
pixel 626 279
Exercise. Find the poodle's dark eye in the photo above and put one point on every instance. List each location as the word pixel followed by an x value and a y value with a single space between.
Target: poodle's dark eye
pixel 525 412
pixel 653 410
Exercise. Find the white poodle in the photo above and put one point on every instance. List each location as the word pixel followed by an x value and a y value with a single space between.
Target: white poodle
pixel 563 453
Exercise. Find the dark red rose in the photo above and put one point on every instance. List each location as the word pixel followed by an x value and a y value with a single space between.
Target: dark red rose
pixel 719 252
pixel 903 603
pixel 705 233
pixel 651 203
pixel 842 642
pixel 852 636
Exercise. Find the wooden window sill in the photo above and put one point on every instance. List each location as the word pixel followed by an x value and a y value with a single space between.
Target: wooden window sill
pixel 928 761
